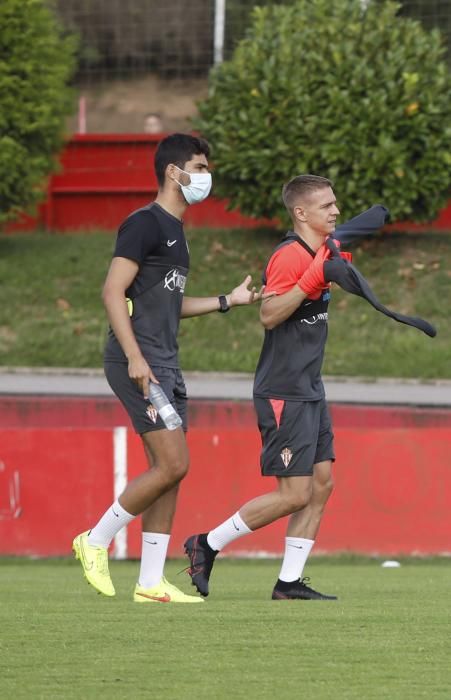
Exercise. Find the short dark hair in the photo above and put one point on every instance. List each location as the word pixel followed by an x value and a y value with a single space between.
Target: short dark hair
pixel 300 186
pixel 177 149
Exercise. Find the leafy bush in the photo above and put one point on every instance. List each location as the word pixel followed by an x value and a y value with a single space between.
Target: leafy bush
pixel 432 14
pixel 35 65
pixel 357 95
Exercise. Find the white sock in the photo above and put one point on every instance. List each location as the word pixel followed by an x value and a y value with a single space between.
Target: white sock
pixel 227 532
pixel 296 554
pixel 109 525
pixel 153 557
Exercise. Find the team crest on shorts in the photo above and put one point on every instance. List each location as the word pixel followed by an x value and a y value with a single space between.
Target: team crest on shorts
pixel 286 455
pixel 152 413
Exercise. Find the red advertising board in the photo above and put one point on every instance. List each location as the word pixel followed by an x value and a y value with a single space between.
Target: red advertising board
pixel 58 467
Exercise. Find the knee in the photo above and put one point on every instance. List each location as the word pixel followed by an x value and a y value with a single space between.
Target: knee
pixel 322 491
pixel 294 502
pixel 175 471
pixel 328 487
pixel 181 469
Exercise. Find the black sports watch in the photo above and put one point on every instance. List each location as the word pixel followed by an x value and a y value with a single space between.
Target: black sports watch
pixel 223 305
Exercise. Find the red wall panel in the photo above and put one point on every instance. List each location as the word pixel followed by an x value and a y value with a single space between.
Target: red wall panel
pixel 104 177
pixel 393 480
pixel 53 483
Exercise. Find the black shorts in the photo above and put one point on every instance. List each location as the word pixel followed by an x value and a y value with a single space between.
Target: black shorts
pixel 295 436
pixel 137 407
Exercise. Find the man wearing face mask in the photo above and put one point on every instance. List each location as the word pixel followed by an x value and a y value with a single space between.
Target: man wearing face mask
pixel 144 299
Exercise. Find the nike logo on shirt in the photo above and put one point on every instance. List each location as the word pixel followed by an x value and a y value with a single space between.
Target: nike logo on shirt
pixel 170 243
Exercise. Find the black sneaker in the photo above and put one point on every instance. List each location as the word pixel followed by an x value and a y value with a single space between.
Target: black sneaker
pixel 298 590
pixel 201 557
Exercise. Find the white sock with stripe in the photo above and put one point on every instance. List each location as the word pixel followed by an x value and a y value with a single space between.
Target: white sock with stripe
pixel 227 532
pixel 153 557
pixel 296 554
pixel 109 525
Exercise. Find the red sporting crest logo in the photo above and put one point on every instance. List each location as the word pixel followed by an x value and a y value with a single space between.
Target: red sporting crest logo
pixel 152 413
pixel 286 455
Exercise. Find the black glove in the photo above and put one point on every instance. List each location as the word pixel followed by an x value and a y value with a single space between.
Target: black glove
pixel 351 280
pixel 335 268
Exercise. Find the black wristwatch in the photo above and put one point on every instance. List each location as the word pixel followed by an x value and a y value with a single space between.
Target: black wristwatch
pixel 223 305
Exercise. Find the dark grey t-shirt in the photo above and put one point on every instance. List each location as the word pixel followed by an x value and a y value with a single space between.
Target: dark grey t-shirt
pixel 155 240
pixel 291 358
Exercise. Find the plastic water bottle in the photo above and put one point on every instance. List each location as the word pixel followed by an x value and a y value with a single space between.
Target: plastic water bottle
pixel 164 407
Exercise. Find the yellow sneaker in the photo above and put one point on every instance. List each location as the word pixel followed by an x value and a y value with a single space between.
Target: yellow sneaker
pixel 163 592
pixel 94 561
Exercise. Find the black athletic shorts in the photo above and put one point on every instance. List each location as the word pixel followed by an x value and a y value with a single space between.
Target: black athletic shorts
pixel 295 436
pixel 144 419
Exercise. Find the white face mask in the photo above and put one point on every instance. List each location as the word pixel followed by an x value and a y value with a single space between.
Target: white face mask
pixel 199 187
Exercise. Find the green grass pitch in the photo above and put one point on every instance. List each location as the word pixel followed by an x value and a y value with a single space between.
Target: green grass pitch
pixel 388 636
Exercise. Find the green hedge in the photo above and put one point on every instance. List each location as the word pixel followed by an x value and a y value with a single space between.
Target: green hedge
pixel 35 65
pixel 360 96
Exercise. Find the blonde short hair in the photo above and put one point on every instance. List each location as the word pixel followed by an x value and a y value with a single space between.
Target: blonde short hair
pixel 300 186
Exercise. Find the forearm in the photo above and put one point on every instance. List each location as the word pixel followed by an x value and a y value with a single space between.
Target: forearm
pixel 198 306
pixel 277 309
pixel 118 316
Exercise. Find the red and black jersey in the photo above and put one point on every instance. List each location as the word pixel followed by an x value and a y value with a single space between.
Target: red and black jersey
pixel 292 354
